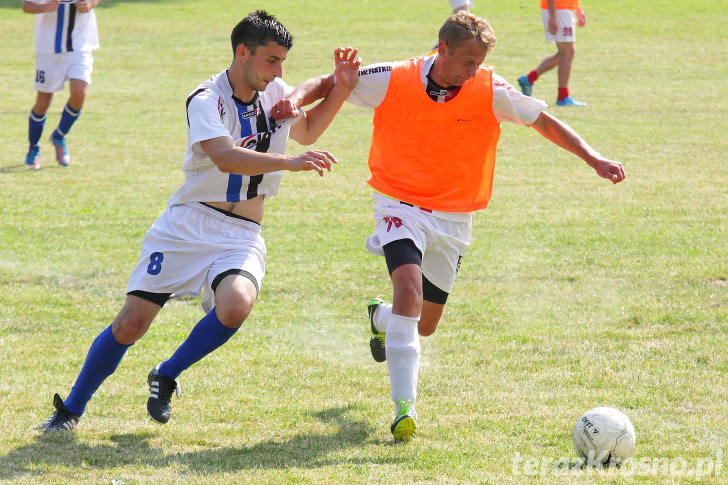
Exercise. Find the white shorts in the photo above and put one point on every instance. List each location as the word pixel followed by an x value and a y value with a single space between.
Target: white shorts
pixel 461 3
pixel 53 70
pixel 189 245
pixel 442 238
pixel 567 26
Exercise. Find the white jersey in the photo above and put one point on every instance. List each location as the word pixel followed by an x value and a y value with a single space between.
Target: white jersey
pixel 212 112
pixel 65 30
pixel 509 104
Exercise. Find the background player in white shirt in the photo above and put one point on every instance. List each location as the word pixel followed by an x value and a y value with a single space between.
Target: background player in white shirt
pixel 209 238
pixel 65 36
pixel 458 5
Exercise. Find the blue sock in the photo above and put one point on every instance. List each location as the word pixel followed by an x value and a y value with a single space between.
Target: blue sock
pixel 208 334
pixel 35 128
pixel 102 359
pixel 68 117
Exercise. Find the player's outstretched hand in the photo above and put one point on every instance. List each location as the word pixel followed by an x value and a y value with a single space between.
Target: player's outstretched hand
pixel 346 67
pixel 610 170
pixel 313 160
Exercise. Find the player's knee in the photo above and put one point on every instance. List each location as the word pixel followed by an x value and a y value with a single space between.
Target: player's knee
pixel 126 331
pixel 235 309
pixel 567 50
pixel 41 105
pixel 408 296
pixel 76 101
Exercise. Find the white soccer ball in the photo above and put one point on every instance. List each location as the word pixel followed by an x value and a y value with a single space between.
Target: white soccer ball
pixel 603 436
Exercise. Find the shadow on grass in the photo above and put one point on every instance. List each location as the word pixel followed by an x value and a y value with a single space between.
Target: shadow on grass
pixel 23 168
pixel 311 450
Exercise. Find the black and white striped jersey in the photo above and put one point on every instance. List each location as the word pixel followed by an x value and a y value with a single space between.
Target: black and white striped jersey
pixel 65 30
pixel 212 112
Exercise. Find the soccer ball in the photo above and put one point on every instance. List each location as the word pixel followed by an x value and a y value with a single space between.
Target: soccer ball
pixel 603 436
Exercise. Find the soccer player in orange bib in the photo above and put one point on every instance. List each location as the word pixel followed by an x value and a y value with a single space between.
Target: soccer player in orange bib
pixel 436 128
pixel 558 25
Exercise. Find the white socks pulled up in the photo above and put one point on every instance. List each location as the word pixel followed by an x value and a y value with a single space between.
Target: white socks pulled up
pixel 403 357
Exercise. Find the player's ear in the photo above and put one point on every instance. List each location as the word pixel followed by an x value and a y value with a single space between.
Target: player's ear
pixel 241 51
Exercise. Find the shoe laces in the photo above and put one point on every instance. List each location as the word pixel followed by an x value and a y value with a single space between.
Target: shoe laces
pixel 167 386
pixel 60 415
pixel 404 407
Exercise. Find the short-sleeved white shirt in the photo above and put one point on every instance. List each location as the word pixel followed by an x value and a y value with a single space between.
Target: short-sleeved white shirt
pixel 65 30
pixel 213 112
pixel 509 104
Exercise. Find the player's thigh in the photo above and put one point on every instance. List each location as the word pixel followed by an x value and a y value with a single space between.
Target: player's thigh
pixel 234 280
pixel 50 72
pixel 80 66
pixel 134 319
pixel 395 221
pixel 446 247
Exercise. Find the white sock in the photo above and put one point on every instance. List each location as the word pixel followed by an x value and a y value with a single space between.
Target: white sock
pixel 403 358
pixel 382 316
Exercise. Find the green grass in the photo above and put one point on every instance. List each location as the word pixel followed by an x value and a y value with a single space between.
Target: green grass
pixel 574 293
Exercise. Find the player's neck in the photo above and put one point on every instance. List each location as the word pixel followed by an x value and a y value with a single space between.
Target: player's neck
pixel 241 90
pixel 436 73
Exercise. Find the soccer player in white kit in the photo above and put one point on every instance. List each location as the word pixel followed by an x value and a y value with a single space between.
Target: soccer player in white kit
pixel 65 38
pixel 209 238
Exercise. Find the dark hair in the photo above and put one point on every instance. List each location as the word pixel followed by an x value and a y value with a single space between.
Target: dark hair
pixel 259 28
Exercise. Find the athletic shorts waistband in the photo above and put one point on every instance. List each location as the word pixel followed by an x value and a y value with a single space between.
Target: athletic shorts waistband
pixel 224 216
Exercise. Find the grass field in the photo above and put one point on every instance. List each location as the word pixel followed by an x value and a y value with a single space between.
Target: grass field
pixel 574 294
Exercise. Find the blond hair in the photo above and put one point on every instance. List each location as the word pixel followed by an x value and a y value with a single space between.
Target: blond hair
pixel 463 26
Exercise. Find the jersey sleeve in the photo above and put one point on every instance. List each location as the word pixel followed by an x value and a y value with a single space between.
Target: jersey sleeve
pixel 372 85
pixel 204 118
pixel 509 104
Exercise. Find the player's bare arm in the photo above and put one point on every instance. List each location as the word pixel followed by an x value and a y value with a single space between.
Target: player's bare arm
pixel 317 119
pixel 553 24
pixel 564 136
pixel 581 18
pixel 317 87
pixel 230 158
pixel 34 7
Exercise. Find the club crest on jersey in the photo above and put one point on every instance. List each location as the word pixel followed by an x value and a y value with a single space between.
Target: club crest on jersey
pixel 255 139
